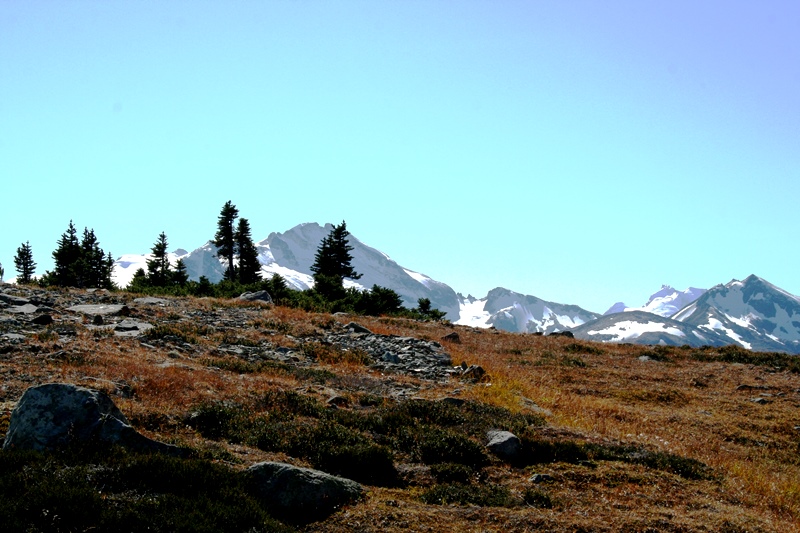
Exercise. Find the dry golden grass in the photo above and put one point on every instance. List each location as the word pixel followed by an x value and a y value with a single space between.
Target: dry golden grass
pixel 590 393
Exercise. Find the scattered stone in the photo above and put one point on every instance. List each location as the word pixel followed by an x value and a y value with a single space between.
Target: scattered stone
pixel 51 416
pixel 258 296
pixel 533 406
pixel 43 320
pixel 474 373
pixel 131 328
pixel 504 444
pixel 338 401
pixel 98 320
pixel 354 327
pixel 759 401
pixel 752 387
pixel 149 300
pixel 562 334
pixel 452 337
pixel 300 495
pixel 97 309
pixel 27 309
pixel 541 478
pixel 10 299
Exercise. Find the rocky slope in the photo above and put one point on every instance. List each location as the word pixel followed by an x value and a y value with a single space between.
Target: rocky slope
pixel 710 438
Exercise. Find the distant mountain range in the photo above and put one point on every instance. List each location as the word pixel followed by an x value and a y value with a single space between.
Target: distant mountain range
pixel 751 313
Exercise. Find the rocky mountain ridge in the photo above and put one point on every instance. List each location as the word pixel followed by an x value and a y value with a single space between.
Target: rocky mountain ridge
pixel 762 317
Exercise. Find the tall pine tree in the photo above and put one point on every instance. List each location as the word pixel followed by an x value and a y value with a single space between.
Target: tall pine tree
pixel 159 271
pixel 24 264
pixel 65 257
pixel 249 267
pixel 225 238
pixel 180 277
pixel 332 263
pixel 80 263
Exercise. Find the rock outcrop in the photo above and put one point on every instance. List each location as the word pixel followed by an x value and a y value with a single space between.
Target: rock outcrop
pixel 504 445
pixel 55 415
pixel 300 495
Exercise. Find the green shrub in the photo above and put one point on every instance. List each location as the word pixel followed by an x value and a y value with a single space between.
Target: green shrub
pixel 114 490
pixel 577 347
pixel 452 473
pixel 537 498
pixel 432 445
pixel 460 493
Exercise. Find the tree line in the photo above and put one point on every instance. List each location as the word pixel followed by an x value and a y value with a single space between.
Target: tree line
pixel 83 264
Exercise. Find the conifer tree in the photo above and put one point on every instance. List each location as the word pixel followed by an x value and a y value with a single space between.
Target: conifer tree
pixel 24 264
pixel 66 256
pixel 159 272
pixel 80 263
pixel 225 239
pixel 332 263
pixel 2 272
pixel 180 277
pixel 249 267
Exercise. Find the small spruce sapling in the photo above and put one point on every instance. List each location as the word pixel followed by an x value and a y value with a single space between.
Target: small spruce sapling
pixel 24 264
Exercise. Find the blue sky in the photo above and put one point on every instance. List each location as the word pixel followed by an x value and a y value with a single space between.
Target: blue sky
pixel 583 152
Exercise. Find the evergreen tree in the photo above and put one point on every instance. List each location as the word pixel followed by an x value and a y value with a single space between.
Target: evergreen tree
pixel 65 256
pixel 332 263
pixel 277 288
pixel 225 238
pixel 249 267
pixel 80 263
pixel 180 277
pixel 24 264
pixel 2 272
pixel 139 282
pixel 159 271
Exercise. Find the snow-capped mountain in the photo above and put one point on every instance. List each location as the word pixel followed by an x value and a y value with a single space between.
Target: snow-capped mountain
pixel 512 311
pixel 666 302
pixel 752 313
pixel 641 327
pixel 291 255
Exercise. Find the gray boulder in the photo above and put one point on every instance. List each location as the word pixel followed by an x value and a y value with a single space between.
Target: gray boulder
pixel 504 445
pixel 258 296
pixel 300 495
pixel 355 327
pixel 51 416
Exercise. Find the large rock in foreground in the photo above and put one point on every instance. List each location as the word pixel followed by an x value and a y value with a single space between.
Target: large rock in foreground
pixel 51 416
pixel 300 495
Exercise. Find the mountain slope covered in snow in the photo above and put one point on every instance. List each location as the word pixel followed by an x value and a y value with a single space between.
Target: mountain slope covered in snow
pixel 666 302
pixel 512 311
pixel 752 313
pixel 291 255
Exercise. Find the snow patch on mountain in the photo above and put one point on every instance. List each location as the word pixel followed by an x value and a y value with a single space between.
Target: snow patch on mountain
pixel 666 302
pixel 752 313
pixel 629 330
pixel 126 265
pixel 512 311
pixel 472 312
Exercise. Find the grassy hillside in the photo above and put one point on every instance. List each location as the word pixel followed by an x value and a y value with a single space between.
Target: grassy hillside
pixel 615 437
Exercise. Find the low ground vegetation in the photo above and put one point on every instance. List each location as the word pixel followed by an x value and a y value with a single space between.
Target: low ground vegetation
pixel 614 437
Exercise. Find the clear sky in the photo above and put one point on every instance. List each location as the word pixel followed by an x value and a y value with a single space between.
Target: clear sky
pixel 580 151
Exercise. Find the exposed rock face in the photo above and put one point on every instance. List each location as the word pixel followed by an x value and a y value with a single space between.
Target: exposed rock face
pixel 504 445
pixel 51 416
pixel 300 495
pixel 258 296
